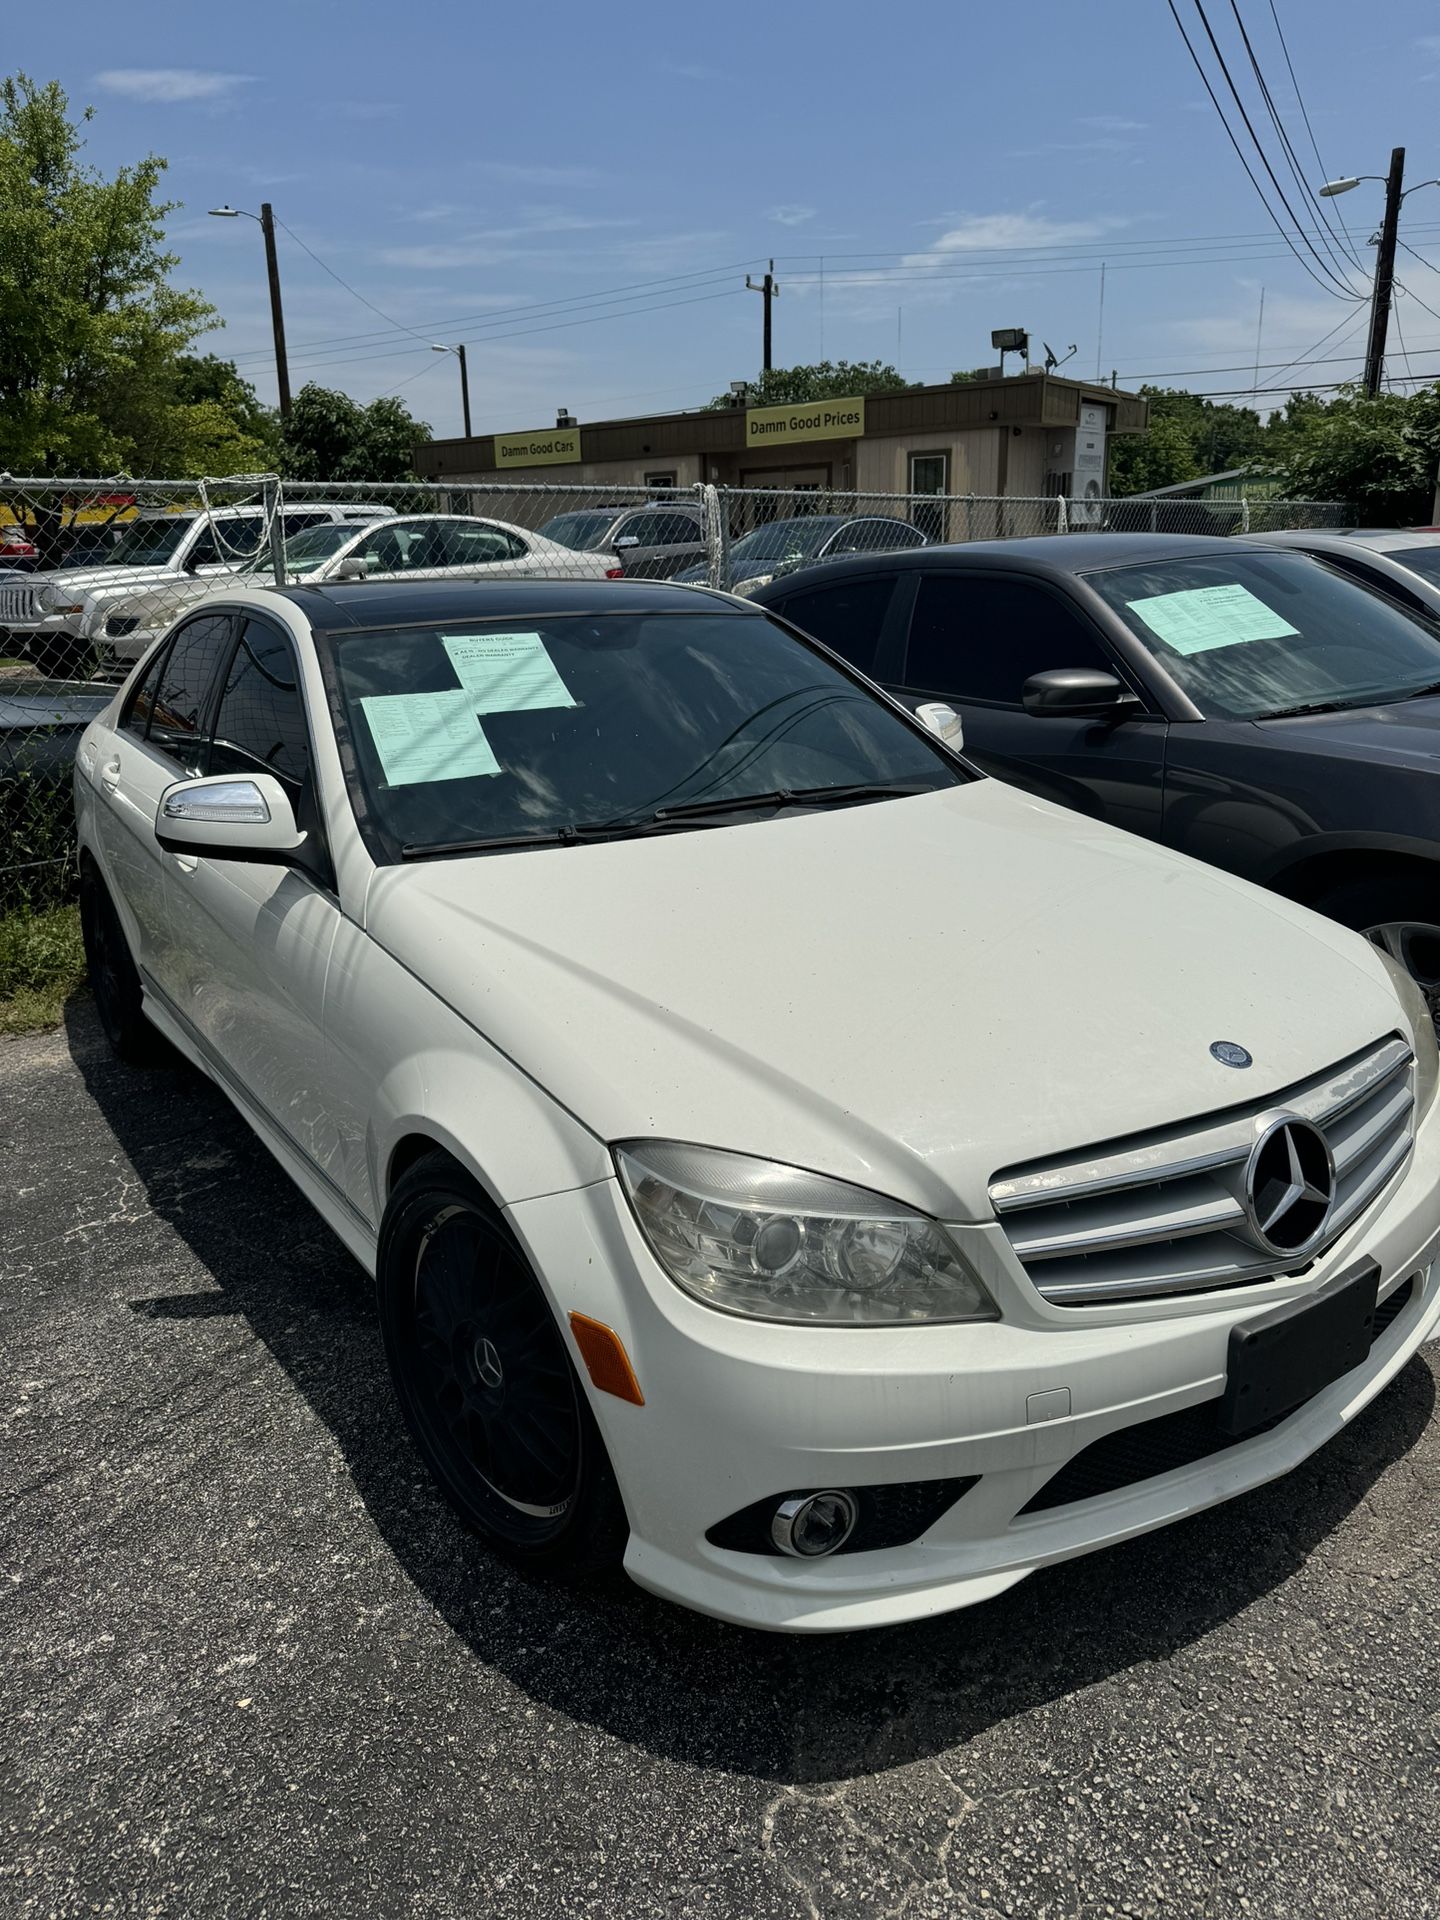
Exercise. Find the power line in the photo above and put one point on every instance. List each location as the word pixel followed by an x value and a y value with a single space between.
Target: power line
pixel 1239 154
pixel 1264 158
pixel 1314 148
pixel 1348 321
pixel 1411 293
pixel 1307 192
pixel 389 320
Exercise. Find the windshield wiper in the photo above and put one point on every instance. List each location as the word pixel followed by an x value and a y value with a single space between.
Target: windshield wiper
pixel 664 820
pixel 1419 693
pixel 1315 706
pixel 788 797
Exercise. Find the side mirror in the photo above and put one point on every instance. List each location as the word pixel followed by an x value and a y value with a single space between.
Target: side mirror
pixel 1074 692
pixel 352 567
pixel 626 541
pixel 224 818
pixel 943 722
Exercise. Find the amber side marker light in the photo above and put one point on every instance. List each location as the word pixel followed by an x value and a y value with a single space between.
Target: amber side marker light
pixel 606 1360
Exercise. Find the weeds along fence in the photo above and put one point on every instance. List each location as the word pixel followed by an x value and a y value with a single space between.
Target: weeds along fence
pixel 94 571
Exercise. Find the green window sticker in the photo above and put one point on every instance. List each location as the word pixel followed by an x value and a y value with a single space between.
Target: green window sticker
pixel 1202 618
pixel 506 672
pixel 428 736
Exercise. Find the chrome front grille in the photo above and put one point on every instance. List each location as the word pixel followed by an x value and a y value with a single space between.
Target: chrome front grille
pixel 17 604
pixel 1168 1213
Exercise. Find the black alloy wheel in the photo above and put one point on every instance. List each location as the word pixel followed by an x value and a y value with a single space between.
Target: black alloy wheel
pixel 485 1380
pixel 1401 916
pixel 114 980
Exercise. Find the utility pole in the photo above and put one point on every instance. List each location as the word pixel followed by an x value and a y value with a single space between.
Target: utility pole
pixel 1384 274
pixel 464 389
pixel 277 314
pixel 768 291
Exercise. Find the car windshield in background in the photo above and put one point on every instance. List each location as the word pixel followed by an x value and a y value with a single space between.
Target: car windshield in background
pixel 560 727
pixel 1422 560
pixel 782 540
pixel 306 551
pixel 1259 636
pixel 149 543
pixel 581 532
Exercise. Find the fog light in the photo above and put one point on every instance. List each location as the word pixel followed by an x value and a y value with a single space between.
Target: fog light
pixel 808 1525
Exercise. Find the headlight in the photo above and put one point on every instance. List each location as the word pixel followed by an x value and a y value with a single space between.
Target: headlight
pixel 59 600
pixel 755 580
pixel 1422 1031
pixel 756 1237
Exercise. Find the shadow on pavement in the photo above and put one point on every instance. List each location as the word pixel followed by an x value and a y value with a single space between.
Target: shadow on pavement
pixel 775 1708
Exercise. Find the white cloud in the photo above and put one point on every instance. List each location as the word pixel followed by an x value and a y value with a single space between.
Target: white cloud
pixel 168 84
pixel 989 232
pixel 790 215
pixel 1429 43
pixel 1110 123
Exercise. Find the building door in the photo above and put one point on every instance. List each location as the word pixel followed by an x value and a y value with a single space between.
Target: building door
pixel 930 478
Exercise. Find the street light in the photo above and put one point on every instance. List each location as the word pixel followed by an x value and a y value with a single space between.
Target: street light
pixel 1395 193
pixel 266 221
pixel 459 352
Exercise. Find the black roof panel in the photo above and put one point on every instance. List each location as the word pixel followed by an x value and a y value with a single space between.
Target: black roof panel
pixel 401 603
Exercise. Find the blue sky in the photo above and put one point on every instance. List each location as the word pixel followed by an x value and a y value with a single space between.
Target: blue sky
pixel 578 191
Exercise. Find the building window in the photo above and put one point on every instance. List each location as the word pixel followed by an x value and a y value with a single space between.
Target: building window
pixel 930 474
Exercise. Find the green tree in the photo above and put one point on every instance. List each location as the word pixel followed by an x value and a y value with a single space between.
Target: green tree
pixel 1379 456
pixel 91 330
pixel 329 436
pixel 826 380
pixel 1187 436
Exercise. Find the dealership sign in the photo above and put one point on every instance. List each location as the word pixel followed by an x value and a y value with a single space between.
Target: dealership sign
pixel 815 420
pixel 550 447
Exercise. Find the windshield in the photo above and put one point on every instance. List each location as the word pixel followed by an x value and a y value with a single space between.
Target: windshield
pixel 150 543
pixel 781 541
pixel 584 722
pixel 1422 560
pixel 1251 637
pixel 306 551
pixel 583 532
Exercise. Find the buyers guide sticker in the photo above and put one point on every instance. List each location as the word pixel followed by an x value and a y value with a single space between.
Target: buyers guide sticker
pixel 1206 617
pixel 506 672
pixel 428 736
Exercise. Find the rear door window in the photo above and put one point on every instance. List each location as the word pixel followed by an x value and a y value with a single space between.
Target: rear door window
pixel 848 617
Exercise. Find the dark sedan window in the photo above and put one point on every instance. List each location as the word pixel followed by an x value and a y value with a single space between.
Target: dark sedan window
pixel 979 638
pixel 261 719
pixel 1422 560
pixel 848 617
pixel 1253 636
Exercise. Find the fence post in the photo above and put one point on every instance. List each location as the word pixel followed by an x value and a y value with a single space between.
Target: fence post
pixel 1062 514
pixel 1154 515
pixel 1244 514
pixel 715 521
pixel 275 525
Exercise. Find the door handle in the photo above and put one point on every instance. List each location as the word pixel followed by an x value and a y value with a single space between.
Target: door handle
pixel 185 862
pixel 110 774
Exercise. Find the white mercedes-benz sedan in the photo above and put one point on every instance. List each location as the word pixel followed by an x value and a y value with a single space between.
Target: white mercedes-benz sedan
pixel 832 1182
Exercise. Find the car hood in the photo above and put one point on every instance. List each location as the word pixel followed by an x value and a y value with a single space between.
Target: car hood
pixel 1403 731
pixel 911 994
pixel 82 580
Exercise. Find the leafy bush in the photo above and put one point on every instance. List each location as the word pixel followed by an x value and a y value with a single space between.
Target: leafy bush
pixel 42 962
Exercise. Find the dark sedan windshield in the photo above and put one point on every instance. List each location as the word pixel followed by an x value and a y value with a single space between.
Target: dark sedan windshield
pixel 1422 560
pixel 783 540
pixel 1258 635
pixel 540 727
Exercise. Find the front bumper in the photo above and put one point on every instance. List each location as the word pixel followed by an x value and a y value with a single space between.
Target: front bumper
pixel 738 1411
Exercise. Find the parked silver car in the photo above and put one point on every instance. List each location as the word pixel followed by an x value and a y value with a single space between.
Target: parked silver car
pixel 651 542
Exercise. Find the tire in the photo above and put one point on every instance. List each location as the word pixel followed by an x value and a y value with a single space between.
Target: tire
pixel 61 656
pixel 485 1380
pixel 1401 914
pixel 114 980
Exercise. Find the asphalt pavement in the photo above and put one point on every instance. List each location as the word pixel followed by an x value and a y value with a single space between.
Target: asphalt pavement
pixel 252 1666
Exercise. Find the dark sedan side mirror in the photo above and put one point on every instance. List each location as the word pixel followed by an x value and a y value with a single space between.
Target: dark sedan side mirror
pixel 1075 692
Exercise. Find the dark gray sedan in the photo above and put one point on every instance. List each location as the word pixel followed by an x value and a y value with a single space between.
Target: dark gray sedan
pixel 1249 705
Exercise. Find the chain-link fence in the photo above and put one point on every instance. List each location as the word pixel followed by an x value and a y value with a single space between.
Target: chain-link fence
pixel 92 572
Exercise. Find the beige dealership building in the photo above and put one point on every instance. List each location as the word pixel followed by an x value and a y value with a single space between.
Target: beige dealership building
pixel 1031 434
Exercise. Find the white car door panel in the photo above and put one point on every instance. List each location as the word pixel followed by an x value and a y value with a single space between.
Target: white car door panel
pixel 252 940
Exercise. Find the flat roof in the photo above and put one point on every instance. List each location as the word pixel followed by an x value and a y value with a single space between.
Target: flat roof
pixel 1024 399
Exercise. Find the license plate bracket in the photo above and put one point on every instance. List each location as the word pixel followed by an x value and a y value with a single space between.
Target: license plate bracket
pixel 1280 1359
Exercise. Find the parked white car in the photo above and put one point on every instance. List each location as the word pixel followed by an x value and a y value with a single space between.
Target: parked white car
pixel 52 616
pixel 431 546
pixel 834 1181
